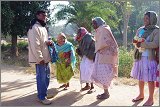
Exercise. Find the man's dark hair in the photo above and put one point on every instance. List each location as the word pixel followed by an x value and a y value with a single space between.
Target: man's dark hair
pixel 35 19
pixel 40 11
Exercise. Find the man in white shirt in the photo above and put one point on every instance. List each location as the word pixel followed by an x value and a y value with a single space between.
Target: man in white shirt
pixel 39 54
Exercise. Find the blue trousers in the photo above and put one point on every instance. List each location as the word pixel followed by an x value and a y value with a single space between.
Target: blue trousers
pixel 43 78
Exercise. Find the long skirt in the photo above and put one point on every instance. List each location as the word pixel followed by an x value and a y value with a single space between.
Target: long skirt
pixel 86 70
pixel 144 70
pixel 102 74
pixel 63 73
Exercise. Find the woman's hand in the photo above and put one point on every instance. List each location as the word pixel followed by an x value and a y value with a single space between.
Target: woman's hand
pixel 49 42
pixel 138 44
pixel 68 62
pixel 42 62
pixel 134 41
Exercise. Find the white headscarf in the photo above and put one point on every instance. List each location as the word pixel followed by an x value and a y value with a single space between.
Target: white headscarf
pixel 99 21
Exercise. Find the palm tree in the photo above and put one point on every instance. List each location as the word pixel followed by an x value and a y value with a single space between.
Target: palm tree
pixel 81 13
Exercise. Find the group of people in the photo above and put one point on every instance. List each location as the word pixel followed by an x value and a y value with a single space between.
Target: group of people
pixel 99 57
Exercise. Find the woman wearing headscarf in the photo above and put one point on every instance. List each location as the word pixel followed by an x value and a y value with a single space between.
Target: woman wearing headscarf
pixel 145 65
pixel 106 60
pixel 66 60
pixel 86 50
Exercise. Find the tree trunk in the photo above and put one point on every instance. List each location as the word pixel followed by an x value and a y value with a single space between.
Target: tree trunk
pixel 125 32
pixel 126 16
pixel 14 48
pixel 120 30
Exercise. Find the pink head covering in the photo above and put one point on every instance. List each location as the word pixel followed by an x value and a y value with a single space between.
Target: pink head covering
pixel 83 31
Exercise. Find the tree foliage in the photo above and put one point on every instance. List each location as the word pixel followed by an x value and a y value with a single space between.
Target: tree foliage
pixel 81 13
pixel 140 7
pixel 7 17
pixel 16 17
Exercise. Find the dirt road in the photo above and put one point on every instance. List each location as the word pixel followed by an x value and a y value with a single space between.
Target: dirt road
pixel 19 89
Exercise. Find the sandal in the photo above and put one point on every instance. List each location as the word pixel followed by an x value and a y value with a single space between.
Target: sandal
pixel 90 91
pixel 135 100
pixel 148 104
pixel 67 85
pixel 65 88
pixel 62 86
pixel 103 96
pixel 85 88
pixel 91 88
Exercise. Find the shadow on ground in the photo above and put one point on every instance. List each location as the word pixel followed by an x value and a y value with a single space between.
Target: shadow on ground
pixel 17 84
pixel 31 100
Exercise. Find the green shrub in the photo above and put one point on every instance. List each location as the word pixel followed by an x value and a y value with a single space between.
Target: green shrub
pixel 4 47
pixel 125 62
pixel 22 45
pixel 70 39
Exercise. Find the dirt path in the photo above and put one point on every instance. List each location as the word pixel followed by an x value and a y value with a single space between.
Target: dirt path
pixel 19 89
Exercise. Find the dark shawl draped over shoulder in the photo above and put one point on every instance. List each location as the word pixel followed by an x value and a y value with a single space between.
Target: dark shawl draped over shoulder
pixel 87 46
pixel 148 30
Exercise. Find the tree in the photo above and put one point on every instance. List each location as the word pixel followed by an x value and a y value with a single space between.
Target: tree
pixel 82 12
pixel 16 15
pixel 140 7
pixel 124 9
pixel 126 15
pixel 7 17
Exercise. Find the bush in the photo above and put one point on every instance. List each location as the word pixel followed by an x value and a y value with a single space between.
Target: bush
pixel 125 62
pixel 5 47
pixel 22 45
pixel 70 39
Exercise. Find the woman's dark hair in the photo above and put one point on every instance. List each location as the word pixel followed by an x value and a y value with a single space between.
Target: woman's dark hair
pixel 147 13
pixel 32 22
pixel 152 16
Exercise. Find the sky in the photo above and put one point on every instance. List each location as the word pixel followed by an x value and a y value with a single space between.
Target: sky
pixel 53 3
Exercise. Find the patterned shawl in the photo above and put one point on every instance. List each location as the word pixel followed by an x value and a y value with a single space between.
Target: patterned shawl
pixel 66 48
